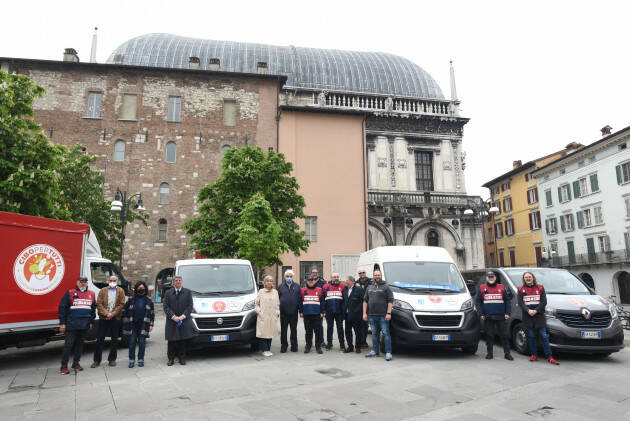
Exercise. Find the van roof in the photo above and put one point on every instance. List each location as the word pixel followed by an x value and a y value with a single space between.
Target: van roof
pixel 189 262
pixel 404 253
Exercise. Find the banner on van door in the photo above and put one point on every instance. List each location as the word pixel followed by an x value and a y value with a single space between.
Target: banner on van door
pixel 218 305
pixel 38 269
pixel 425 286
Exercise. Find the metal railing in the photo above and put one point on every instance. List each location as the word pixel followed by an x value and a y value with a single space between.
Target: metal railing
pixel 613 256
pixel 425 198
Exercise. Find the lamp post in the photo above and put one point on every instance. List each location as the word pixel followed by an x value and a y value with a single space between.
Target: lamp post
pixel 121 204
pixel 482 208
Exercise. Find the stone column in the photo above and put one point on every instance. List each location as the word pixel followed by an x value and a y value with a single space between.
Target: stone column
pixel 371 165
pixel 382 163
pixel 437 172
pixel 411 168
pixel 461 177
pixel 448 179
pixel 401 163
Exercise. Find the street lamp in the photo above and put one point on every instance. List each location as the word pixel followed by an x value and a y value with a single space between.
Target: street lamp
pixel 483 209
pixel 121 204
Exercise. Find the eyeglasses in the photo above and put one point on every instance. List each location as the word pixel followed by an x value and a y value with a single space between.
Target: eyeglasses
pixel 83 281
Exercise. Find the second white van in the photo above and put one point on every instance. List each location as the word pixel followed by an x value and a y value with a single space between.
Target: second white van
pixel 432 304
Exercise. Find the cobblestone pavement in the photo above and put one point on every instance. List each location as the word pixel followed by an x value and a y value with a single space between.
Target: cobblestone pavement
pixel 234 383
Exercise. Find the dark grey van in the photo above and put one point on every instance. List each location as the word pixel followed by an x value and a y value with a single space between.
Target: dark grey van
pixel 578 320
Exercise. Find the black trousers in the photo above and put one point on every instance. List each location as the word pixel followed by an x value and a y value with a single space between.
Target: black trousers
pixel 364 332
pixel 288 321
pixel 73 344
pixel 177 349
pixel 492 328
pixel 353 322
pixel 106 328
pixel 331 319
pixel 313 324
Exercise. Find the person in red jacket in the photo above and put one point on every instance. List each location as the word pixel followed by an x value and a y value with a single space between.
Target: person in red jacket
pixel 311 308
pixel 493 305
pixel 77 311
pixel 533 300
pixel 335 306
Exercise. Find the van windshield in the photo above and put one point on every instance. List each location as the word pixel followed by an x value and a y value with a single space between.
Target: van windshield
pixel 218 279
pixel 554 281
pixel 430 276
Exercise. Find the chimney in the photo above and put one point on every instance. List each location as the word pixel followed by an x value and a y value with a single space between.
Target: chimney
pixel 93 50
pixel 193 63
pixel 516 164
pixel 214 64
pixel 70 54
pixel 262 68
pixel 606 130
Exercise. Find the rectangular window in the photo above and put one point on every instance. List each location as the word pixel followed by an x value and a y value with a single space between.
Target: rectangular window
pixel 552 226
pixel 623 172
pixel 174 108
pixel 498 229
pixel 505 186
pixel 588 218
pixel 509 227
pixel 564 193
pixel 424 170
pixel 599 217
pixel 566 221
pixel 512 257
pixel 310 226
pixel 229 112
pixel 128 108
pixel 548 198
pixel 534 220
pixel 307 266
pixel 94 104
pixel 627 202
pixel 507 204
pixel 532 195
pixel 497 204
pixel 501 258
pixel 604 243
pixel 594 183
pixel 490 235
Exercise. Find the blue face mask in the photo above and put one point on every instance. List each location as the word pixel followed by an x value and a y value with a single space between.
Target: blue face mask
pixel 289 280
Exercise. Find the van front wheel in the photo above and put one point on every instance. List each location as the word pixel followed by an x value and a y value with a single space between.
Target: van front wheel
pixel 519 339
pixel 471 349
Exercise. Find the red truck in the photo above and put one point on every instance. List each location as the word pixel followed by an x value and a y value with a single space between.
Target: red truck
pixel 40 259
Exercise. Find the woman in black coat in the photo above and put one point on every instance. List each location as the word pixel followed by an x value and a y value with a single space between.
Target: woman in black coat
pixel 178 305
pixel 138 317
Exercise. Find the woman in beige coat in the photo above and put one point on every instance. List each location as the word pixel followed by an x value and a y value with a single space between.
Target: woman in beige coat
pixel 268 310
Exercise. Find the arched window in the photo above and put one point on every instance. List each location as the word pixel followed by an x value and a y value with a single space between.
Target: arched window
pixel 164 193
pixel 224 149
pixel 588 279
pixel 162 225
pixel 119 151
pixel 433 239
pixel 623 283
pixel 171 152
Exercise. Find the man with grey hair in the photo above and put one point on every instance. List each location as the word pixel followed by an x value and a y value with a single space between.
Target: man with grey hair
pixel 178 306
pixel 335 306
pixel 290 297
pixel 353 297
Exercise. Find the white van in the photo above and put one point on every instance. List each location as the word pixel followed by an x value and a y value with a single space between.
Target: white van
pixel 432 305
pixel 224 294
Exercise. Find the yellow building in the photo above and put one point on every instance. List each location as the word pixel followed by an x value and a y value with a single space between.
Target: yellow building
pixel 514 235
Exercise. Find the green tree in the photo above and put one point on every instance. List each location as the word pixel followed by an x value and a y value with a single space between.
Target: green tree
pixel 28 180
pixel 255 191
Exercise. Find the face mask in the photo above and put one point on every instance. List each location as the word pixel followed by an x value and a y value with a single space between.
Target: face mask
pixel 140 291
pixel 491 281
pixel 82 289
pixel 289 280
pixel 112 284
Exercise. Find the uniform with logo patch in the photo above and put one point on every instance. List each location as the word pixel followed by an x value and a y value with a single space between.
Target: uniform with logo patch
pixel 77 311
pixel 311 306
pixel 335 305
pixel 534 298
pixel 493 303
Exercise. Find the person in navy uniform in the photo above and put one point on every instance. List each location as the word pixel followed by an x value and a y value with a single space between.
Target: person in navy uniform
pixel 311 309
pixel 77 311
pixel 335 306
pixel 493 305
pixel 353 297
pixel 532 299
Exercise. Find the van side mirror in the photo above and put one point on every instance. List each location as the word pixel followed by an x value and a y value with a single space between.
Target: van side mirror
pixel 471 287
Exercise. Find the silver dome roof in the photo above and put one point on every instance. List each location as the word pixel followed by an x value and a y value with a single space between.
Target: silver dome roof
pixel 338 70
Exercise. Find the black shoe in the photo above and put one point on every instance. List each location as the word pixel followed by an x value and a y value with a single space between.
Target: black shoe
pixel 489 357
pixel 307 349
pixel 112 363
pixel 283 349
pixel 294 349
pixel 170 362
pixel 509 357
pixel 358 350
pixel 95 364
pixel 328 347
pixel 182 361
pixel 319 350
pixel 342 347
pixel 348 350
pixel 364 345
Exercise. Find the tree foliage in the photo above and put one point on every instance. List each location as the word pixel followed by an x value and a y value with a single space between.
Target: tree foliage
pixel 41 179
pixel 250 210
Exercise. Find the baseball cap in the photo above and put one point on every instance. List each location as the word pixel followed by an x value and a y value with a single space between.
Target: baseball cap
pixel 491 273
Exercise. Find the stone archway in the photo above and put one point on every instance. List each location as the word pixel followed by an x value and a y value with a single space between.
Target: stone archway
pixel 447 238
pixel 588 279
pixel 433 224
pixel 622 285
pixel 378 234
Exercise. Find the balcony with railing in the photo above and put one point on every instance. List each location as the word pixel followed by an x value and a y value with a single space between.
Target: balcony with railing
pixel 612 256
pixel 421 199
pixel 378 103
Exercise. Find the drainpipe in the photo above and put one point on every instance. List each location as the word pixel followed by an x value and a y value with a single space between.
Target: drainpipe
pixel 365 193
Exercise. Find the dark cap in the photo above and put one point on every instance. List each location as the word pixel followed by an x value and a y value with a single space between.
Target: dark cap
pixel 491 273
pixel 82 279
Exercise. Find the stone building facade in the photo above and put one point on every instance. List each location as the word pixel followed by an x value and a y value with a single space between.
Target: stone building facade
pixel 160 132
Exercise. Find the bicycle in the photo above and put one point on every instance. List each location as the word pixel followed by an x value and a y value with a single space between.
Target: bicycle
pixel 623 314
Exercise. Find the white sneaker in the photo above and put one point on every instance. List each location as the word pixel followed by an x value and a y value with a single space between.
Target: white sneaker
pixel 267 354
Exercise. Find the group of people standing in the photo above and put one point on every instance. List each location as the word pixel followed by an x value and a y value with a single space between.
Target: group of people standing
pixel 347 306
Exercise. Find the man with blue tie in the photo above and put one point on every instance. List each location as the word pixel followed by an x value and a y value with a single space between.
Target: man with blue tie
pixel 178 305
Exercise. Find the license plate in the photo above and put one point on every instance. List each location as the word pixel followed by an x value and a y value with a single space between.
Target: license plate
pixel 219 338
pixel 592 334
pixel 441 337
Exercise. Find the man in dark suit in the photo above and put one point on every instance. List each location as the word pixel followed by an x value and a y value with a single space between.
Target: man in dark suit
pixel 353 297
pixel 178 304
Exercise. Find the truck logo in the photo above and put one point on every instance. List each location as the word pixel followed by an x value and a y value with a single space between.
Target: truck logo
pixel 218 306
pixel 38 269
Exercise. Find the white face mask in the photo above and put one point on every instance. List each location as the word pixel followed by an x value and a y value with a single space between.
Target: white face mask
pixel 112 284
pixel 82 289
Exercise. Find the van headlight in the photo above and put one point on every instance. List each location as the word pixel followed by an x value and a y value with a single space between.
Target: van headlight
pixel 467 305
pixel 249 306
pixel 613 310
pixel 402 305
pixel 550 313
